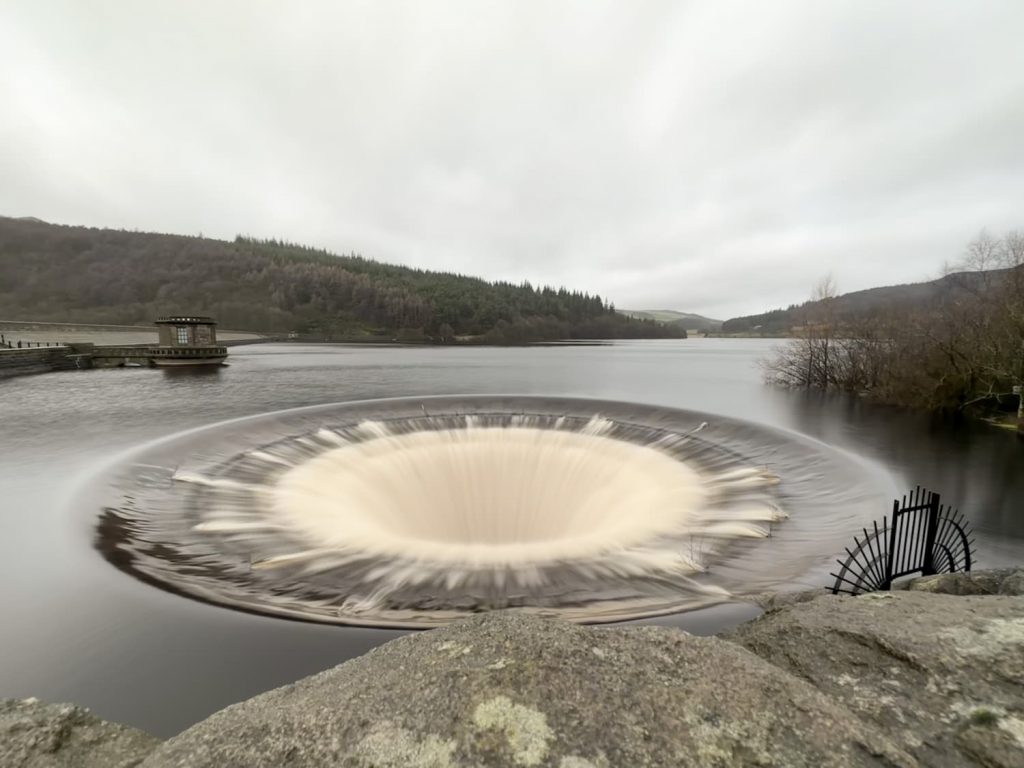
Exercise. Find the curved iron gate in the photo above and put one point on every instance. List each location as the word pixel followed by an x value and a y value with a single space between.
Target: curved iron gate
pixel 923 537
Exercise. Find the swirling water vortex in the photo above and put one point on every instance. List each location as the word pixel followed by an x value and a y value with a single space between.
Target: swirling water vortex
pixel 414 512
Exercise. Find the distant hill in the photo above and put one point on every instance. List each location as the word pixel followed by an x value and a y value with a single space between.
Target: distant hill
pixel 671 317
pixel 79 274
pixel 779 322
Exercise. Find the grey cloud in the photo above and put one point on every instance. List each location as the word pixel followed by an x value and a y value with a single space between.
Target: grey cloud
pixel 716 157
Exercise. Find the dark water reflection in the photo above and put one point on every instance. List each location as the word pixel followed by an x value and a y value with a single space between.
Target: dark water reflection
pixel 76 629
pixel 975 466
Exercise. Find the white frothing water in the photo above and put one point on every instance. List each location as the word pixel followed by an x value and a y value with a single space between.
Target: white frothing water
pixel 473 509
pixel 416 518
pixel 492 495
pixel 497 497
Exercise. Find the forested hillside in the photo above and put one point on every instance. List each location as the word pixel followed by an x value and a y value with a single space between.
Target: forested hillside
pixel 79 274
pixel 686 320
pixel 857 304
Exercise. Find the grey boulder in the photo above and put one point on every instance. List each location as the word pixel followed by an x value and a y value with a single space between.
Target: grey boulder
pixel 940 675
pixel 1003 581
pixel 36 735
pixel 512 690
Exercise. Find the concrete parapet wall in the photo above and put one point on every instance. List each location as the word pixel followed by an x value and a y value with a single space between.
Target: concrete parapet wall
pixel 21 362
pixel 115 357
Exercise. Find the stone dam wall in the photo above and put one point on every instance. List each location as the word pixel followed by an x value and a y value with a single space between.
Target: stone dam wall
pixel 22 362
pixel 67 357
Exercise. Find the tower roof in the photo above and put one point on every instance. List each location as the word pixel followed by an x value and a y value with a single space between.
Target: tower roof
pixel 185 320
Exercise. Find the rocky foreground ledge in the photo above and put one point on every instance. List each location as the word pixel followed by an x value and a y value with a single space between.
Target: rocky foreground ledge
pixel 930 676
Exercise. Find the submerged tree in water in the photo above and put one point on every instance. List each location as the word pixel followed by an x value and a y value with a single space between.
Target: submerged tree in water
pixel 963 346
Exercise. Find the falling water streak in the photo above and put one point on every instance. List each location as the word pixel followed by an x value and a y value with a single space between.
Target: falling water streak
pixel 416 519
pixel 486 507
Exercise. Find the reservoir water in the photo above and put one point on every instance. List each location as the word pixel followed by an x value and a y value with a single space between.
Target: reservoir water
pixel 75 628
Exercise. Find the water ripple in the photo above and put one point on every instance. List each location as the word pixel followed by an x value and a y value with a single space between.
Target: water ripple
pixel 414 512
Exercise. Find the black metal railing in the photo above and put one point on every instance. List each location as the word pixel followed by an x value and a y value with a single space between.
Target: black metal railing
pixel 923 537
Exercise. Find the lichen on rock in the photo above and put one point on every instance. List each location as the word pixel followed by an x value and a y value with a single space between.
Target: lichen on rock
pixel 916 677
pixel 914 664
pixel 651 696
pixel 526 729
pixel 388 747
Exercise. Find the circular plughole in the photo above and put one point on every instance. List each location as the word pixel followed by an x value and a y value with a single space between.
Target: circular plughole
pixel 415 512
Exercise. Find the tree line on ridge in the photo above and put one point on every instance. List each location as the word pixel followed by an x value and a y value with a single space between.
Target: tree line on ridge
pixel 61 273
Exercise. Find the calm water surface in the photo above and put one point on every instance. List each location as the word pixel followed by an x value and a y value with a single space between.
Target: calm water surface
pixel 76 629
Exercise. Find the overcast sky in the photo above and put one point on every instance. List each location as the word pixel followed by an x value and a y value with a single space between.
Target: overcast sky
pixel 715 157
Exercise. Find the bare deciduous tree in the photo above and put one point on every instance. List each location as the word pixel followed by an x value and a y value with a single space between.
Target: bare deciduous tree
pixel 964 347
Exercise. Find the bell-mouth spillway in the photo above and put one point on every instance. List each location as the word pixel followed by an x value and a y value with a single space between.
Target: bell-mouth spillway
pixel 413 512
